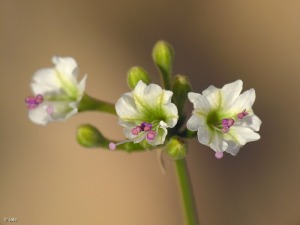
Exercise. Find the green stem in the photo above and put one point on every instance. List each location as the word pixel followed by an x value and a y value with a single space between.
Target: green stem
pixel 187 198
pixel 89 103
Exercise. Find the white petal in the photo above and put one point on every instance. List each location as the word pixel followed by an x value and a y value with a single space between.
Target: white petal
pixel 243 134
pixel 200 103
pixel 126 108
pixel 66 66
pixel 218 143
pixel 139 88
pixel 233 148
pixel 163 124
pixel 62 110
pixel 39 115
pixel 213 96
pixel 244 101
pixel 171 111
pixel 45 80
pixel 194 123
pixel 210 90
pixel 151 96
pixel 251 121
pixel 193 97
pixel 204 134
pixel 230 93
pixel 81 87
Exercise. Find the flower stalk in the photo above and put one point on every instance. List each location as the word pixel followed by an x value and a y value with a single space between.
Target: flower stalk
pixel 89 103
pixel 187 198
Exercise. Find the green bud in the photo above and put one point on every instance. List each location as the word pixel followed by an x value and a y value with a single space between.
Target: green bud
pixel 176 148
pixel 163 55
pixel 135 74
pixel 89 136
pixel 181 87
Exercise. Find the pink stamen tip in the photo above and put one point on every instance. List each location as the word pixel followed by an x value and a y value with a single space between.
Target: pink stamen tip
pixel 230 122
pixel 30 100
pixel 134 131
pixel 142 126
pixel 39 99
pixel 242 114
pixel 219 155
pixel 148 127
pixel 227 122
pixel 49 110
pixel 112 146
pixel 139 129
pixel 151 135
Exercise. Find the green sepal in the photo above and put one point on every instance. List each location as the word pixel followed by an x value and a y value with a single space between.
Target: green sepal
pixel 135 74
pixel 163 56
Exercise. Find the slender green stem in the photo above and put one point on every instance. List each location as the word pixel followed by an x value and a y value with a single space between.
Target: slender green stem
pixel 89 103
pixel 187 198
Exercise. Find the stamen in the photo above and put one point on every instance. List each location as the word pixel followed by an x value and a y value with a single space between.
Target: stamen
pixel 39 99
pixel 242 114
pixel 151 135
pixel 226 124
pixel 219 155
pixel 134 131
pixel 148 127
pixel 49 110
pixel 112 146
pixel 143 124
pixel 33 102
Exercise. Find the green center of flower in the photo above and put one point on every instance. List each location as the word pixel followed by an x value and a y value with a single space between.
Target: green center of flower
pixel 213 119
pixel 218 121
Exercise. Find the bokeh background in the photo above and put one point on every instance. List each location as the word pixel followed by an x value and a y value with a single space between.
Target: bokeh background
pixel 47 178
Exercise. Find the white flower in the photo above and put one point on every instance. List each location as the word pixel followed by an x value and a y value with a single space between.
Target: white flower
pixel 145 113
pixel 57 92
pixel 224 118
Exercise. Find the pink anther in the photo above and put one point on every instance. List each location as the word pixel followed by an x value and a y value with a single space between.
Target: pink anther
pixel 151 135
pixel 112 146
pixel 242 114
pixel 219 155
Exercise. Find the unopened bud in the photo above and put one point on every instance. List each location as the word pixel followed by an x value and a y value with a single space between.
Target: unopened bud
pixel 163 55
pixel 176 148
pixel 135 74
pixel 181 87
pixel 89 136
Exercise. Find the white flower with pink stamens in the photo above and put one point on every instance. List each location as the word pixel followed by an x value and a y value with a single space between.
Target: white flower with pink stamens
pixel 57 92
pixel 224 118
pixel 145 113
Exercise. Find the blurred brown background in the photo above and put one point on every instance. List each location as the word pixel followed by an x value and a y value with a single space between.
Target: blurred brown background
pixel 47 178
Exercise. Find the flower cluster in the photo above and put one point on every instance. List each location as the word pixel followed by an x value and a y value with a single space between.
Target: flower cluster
pixel 223 119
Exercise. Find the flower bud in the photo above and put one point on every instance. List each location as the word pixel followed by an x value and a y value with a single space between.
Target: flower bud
pixel 89 136
pixel 181 87
pixel 163 55
pixel 176 148
pixel 135 74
